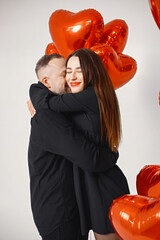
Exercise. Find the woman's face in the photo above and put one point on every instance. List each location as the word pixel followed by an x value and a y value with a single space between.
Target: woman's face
pixel 74 75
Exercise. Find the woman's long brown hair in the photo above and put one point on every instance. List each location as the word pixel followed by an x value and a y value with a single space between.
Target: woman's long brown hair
pixel 95 73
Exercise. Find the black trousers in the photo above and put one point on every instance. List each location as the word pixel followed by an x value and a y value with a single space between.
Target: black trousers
pixel 68 231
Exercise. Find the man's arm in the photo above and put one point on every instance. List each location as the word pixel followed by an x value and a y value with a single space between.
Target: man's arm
pixel 54 133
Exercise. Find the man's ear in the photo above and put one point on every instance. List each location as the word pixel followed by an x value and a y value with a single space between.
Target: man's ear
pixel 45 82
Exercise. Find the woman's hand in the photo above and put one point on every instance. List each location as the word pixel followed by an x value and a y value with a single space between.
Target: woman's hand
pixel 31 108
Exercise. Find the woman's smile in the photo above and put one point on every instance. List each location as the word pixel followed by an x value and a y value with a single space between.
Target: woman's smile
pixel 74 84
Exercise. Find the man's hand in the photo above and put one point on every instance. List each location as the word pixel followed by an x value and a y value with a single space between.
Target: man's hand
pixel 31 108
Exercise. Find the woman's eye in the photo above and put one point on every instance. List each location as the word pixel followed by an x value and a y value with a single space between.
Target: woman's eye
pixel 68 72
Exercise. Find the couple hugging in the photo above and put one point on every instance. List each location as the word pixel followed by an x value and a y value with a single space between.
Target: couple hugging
pixel 73 148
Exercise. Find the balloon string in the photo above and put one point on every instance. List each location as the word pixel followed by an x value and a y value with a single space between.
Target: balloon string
pixel 159 98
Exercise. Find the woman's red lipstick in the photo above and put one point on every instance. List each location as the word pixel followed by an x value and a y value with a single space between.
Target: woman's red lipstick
pixel 74 84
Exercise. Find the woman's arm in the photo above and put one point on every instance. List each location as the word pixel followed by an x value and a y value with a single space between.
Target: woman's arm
pixel 42 98
pixel 31 108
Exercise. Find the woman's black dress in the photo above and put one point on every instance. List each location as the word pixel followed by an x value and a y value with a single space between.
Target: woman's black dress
pixel 95 192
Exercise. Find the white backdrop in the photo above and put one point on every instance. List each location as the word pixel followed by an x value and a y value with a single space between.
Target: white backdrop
pixel 24 37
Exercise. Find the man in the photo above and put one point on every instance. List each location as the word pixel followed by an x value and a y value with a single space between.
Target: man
pixel 53 148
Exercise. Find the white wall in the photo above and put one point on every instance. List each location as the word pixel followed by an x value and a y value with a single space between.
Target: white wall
pixel 24 36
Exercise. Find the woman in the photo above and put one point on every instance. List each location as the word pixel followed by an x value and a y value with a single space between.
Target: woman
pixel 93 108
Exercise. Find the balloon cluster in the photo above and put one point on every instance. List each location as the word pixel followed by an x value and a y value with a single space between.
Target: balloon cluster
pixel 85 29
pixel 138 216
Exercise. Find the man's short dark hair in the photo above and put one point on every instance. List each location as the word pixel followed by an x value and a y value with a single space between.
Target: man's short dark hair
pixel 44 60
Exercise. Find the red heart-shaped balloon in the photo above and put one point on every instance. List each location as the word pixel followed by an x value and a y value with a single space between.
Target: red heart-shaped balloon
pixel 148 181
pixel 71 31
pixel 136 217
pixel 51 48
pixel 121 68
pixel 155 9
pixel 115 34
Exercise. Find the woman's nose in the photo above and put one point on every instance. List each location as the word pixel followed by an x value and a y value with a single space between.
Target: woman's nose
pixel 73 76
